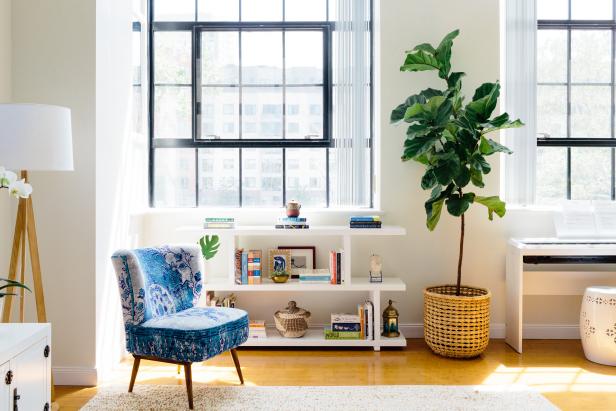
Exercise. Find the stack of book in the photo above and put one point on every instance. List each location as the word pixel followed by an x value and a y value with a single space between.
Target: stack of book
pixel 358 326
pixel 256 329
pixel 316 276
pixel 344 327
pixel 373 221
pixel 219 222
pixel 292 223
pixel 248 266
pixel 335 267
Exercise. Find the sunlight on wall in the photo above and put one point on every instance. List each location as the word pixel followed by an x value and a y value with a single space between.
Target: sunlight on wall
pixel 553 379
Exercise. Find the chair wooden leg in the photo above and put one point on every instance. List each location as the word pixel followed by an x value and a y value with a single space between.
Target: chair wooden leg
pixel 236 361
pixel 189 390
pixel 133 376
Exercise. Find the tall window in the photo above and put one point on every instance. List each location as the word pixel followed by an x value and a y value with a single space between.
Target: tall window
pixel 257 102
pixel 575 100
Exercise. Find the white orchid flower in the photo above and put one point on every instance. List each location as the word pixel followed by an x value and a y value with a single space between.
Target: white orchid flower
pixel 20 189
pixel 7 177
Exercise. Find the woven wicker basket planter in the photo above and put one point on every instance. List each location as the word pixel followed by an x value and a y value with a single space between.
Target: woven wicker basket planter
pixel 457 326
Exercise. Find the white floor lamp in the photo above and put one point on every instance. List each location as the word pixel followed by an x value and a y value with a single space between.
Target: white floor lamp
pixel 33 137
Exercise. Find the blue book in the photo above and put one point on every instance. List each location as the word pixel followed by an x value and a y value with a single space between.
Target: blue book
pixel 244 267
pixel 346 327
pixel 365 219
pixel 293 219
pixel 324 278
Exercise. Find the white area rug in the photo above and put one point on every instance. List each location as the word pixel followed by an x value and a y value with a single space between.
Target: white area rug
pixel 380 397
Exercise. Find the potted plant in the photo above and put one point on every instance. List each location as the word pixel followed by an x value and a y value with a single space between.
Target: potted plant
pixel 451 140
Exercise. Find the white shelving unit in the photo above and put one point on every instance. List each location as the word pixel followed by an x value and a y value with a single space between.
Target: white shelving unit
pixel 314 337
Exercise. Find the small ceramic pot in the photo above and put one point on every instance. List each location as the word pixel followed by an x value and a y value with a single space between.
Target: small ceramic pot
pixel 293 208
pixel 598 324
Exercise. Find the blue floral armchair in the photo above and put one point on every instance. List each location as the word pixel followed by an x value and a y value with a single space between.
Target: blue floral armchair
pixel 159 289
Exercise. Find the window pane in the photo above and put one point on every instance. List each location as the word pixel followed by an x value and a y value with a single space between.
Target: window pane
pixel 306 181
pixel 262 10
pixel 302 10
pixel 590 111
pixel 174 10
pixel 220 57
pixel 304 57
pixel 137 110
pixel 304 112
pixel 552 111
pixel 551 56
pixel 262 177
pixel 552 9
pixel 591 171
pixel 591 10
pixel 591 52
pixel 219 10
pixel 262 57
pixel 266 103
pixel 219 177
pixel 172 57
pixel 551 181
pixel 174 176
pixel 172 112
pixel 220 112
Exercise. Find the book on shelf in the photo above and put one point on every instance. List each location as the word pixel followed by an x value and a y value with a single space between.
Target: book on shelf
pixel 218 222
pixel 314 276
pixel 369 320
pixel 335 266
pixel 256 329
pixel 292 220
pixel 248 266
pixel 291 226
pixel 365 224
pixel 366 218
pixel 341 335
pixel 346 327
pixel 361 323
pixel 344 318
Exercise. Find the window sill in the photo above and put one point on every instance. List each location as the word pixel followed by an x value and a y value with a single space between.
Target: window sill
pixel 257 212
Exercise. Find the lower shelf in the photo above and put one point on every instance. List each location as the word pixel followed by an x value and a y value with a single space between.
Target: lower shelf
pixel 315 338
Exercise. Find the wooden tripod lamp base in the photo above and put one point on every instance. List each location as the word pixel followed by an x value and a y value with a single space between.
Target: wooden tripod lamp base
pixel 25 228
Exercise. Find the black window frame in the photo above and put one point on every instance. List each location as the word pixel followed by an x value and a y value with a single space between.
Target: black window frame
pixel 571 142
pixel 327 142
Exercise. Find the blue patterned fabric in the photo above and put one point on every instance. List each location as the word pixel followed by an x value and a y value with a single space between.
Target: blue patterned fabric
pixel 159 288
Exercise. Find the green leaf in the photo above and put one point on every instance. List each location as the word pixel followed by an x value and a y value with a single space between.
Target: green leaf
pixel 494 205
pixel 457 205
pixel 11 284
pixel 416 112
pixel 509 124
pixel 433 213
pixel 447 168
pixel 428 180
pixel 418 145
pixel 463 177
pixel 488 147
pixel 477 178
pixel 479 163
pixel 454 81
pixel 443 113
pixel 424 47
pixel 420 60
pixel 482 106
pixel 443 53
pixel 397 114
pixel 209 246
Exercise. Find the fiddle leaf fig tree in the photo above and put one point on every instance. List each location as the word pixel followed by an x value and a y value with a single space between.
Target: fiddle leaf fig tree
pixel 451 139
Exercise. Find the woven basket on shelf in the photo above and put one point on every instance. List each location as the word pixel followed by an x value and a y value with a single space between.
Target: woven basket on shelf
pixel 292 322
pixel 457 326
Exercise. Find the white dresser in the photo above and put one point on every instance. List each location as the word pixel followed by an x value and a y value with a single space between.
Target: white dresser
pixel 25 367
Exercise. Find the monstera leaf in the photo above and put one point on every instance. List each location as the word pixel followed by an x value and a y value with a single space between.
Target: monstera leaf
pixel 209 246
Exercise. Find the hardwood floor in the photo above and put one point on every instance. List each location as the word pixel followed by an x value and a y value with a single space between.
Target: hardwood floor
pixel 557 368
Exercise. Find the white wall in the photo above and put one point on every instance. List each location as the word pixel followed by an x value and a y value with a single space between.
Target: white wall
pixel 53 61
pixel 422 258
pixel 6 215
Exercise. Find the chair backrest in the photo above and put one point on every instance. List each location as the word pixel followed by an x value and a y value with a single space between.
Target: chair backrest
pixel 157 281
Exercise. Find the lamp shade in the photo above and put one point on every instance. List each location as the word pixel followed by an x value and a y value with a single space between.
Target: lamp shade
pixel 35 137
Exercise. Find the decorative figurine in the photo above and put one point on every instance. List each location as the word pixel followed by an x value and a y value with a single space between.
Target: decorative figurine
pixel 293 208
pixel 390 322
pixel 376 269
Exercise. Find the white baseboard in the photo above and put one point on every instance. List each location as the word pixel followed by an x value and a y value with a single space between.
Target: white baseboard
pixel 530 331
pixel 81 376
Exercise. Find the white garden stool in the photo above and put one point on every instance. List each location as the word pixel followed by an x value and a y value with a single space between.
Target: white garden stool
pixel 598 324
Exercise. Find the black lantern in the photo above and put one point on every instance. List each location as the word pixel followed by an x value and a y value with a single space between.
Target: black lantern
pixel 390 321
